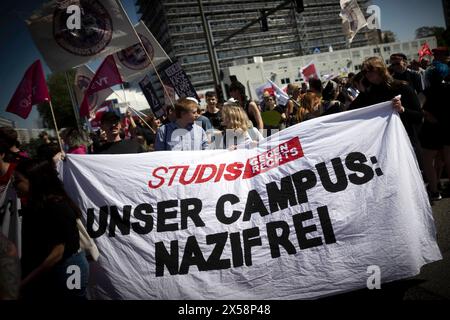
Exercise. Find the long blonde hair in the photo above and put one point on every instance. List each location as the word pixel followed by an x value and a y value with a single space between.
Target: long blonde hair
pixel 308 105
pixel 234 117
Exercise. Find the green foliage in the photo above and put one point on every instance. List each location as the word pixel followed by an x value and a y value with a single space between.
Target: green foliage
pixel 62 105
pixel 388 37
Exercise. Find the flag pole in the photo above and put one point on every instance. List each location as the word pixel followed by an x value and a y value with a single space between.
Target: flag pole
pixel 56 126
pixel 129 106
pixel 74 103
pixel 148 56
pixel 136 112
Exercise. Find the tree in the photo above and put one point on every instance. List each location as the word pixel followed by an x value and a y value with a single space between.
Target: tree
pixel 442 35
pixel 388 36
pixel 62 105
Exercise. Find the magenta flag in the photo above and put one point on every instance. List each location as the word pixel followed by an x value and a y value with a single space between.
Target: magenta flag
pixel 31 90
pixel 106 76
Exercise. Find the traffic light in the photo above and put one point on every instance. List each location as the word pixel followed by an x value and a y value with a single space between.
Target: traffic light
pixel 264 24
pixel 299 7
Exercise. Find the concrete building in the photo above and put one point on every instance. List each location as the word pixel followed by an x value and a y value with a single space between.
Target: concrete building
pixel 178 27
pixel 446 6
pixel 340 62
pixel 6 122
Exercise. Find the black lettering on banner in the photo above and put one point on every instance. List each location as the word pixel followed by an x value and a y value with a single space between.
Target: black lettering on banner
pixel 146 218
pixel 254 204
pixel 302 231
pixel 341 178
pixel 236 249
pixel 355 162
pixel 279 198
pixel 214 262
pixel 164 215
pixel 251 239
pixel 220 209
pixel 327 227
pixel 191 213
pixel 192 256
pixel 164 258
pixel 180 81
pixel 102 221
pixel 276 241
pixel 122 223
pixel 303 181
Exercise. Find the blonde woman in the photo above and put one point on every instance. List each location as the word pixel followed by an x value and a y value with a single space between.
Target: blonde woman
pixel 310 107
pixel 238 128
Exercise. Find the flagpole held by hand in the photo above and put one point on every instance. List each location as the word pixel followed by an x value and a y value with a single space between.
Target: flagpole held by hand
pixel 135 112
pixel 56 126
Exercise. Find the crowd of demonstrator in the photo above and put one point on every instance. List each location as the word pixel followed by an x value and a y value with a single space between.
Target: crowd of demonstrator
pixel 50 230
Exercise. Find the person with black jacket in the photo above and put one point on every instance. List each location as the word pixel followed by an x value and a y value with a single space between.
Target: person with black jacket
pixel 50 236
pixel 381 87
pixel 400 71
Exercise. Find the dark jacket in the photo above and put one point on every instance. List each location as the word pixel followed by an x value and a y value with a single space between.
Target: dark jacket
pixel 412 118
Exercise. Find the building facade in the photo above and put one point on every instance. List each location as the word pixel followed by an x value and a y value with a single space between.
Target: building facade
pixel 340 62
pixel 177 25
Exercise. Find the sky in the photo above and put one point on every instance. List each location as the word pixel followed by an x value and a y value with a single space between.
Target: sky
pixel 403 17
pixel 17 50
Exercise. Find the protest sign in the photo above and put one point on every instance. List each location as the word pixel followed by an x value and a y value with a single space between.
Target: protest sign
pixel 302 215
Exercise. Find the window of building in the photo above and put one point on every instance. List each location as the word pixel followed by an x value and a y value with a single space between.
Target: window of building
pixel 285 81
pixel 387 49
pixel 376 50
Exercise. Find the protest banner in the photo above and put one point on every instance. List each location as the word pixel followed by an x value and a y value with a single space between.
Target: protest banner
pixel 104 29
pixel 178 79
pixel 352 17
pixel 133 61
pixel 302 215
pixel 10 219
pixel 152 97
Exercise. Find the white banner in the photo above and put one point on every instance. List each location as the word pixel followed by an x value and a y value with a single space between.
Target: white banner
pixel 133 62
pixel 352 18
pixel 10 221
pixel 103 29
pixel 303 215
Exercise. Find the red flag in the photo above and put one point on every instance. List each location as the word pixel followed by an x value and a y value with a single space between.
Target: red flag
pixel 309 72
pixel 424 51
pixel 31 90
pixel 106 76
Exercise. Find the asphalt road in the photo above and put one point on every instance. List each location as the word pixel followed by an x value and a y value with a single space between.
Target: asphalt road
pixel 434 278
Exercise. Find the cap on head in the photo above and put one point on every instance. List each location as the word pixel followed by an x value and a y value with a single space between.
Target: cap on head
pixel 110 116
pixel 441 51
pixel 399 55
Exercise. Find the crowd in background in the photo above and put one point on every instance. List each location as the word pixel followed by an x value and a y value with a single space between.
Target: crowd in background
pixel 51 239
